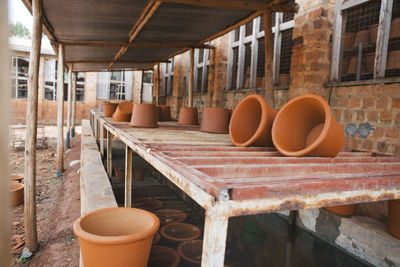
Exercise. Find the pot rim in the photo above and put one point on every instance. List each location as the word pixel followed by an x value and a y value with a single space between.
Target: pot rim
pixel 321 137
pixel 261 126
pixel 113 240
pixel 182 215
pixel 163 234
pixel 19 187
pixel 183 255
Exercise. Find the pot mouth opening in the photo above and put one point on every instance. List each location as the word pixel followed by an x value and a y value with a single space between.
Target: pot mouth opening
pixel 180 231
pixel 191 250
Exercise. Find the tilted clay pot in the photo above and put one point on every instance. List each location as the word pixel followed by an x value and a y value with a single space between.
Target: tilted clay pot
pixel 123 112
pixel 179 232
pixel 348 40
pixel 362 37
pixel 191 252
pixel 393 60
pixel 305 126
pixel 395 28
pixel 17 193
pixel 148 203
pixel 188 116
pixel 251 122
pixel 394 217
pixel 16 177
pixel 116 237
pixel 159 113
pixel 163 256
pixel 144 115
pixel 166 113
pixel 109 109
pixel 345 210
pixel 170 216
pixel 215 120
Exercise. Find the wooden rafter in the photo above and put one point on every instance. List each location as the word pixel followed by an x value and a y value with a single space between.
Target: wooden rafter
pixel 128 44
pixel 107 61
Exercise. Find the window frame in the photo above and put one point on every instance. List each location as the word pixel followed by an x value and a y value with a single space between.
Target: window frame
pixel 15 76
pixel 82 89
pixel 118 82
pixel 201 65
pixel 168 76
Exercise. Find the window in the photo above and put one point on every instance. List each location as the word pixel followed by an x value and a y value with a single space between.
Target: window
pixel 168 80
pixel 201 69
pixel 80 86
pixel 246 59
pixel 116 88
pixel 19 72
pixel 50 79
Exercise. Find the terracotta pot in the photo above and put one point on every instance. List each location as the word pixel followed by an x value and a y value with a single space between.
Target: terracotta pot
pixel 305 126
pixel 16 177
pixel 394 217
pixel 395 28
pixel 116 236
pixel 159 113
pixel 373 33
pixel 393 61
pixel 147 203
pixel 179 232
pixel 348 40
pixel 188 116
pixel 17 193
pixel 109 109
pixel 166 113
pixel 251 122
pixel 344 210
pixel 156 238
pixel 163 256
pixel 215 120
pixel 362 37
pixel 284 79
pixel 170 216
pixel 119 174
pixel 123 112
pixel 144 115
pixel 191 252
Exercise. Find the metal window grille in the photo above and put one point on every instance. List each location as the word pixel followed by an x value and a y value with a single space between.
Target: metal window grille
pixel 199 79
pixel 392 63
pixel 19 88
pixel 80 86
pixel 286 52
pixel 247 65
pixel 249 28
pixel 235 62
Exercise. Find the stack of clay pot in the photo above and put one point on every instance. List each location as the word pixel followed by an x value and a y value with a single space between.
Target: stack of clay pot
pixel 215 120
pixel 163 256
pixel 16 190
pixel 109 109
pixel 175 233
pixel 191 252
pixel 116 237
pixel 123 112
pixel 188 116
pixel 149 204
pixel 144 115
pixel 167 216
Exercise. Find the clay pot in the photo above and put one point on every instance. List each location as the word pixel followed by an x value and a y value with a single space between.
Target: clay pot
pixel 159 113
pixel 147 203
pixel 123 112
pixel 17 193
pixel 348 40
pixel 188 116
pixel 394 217
pixel 251 122
pixel 215 120
pixel 166 113
pixel 284 79
pixel 163 256
pixel 109 109
pixel 305 126
pixel 191 252
pixel 344 210
pixel 156 238
pixel 116 236
pixel 362 37
pixel 144 115
pixel 16 177
pixel 119 174
pixel 179 232
pixel 170 216
pixel 373 33
pixel 393 60
pixel 395 28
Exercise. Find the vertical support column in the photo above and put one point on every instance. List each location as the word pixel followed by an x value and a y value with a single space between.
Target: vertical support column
pixel 269 88
pixel 31 130
pixel 214 244
pixel 276 62
pixel 191 78
pixel 60 110
pixel 109 154
pixel 128 177
pixel 158 84
pixel 102 139
pixel 69 103
pixel 73 112
pixel 337 42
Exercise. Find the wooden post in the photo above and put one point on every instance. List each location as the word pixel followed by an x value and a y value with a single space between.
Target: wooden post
pixel 109 154
pixel 158 84
pixel 269 88
pixel 73 112
pixel 191 78
pixel 60 110
pixel 128 177
pixel 69 103
pixel 31 130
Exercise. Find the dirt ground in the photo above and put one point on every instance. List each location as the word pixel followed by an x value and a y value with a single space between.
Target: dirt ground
pixel 58 205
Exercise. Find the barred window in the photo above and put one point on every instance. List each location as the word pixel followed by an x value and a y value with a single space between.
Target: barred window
pixel 19 78
pixel 201 63
pixel 168 79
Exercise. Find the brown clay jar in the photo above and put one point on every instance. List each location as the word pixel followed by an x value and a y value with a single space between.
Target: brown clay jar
pixel 170 216
pixel 251 122
pixel 188 116
pixel 144 115
pixel 191 252
pixel 394 217
pixel 166 113
pixel 215 120
pixel 17 193
pixel 109 109
pixel 174 233
pixel 163 256
pixel 116 237
pixel 344 210
pixel 123 112
pixel 305 126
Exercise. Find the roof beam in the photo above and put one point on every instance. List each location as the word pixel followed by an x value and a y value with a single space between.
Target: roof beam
pixel 108 61
pixel 127 44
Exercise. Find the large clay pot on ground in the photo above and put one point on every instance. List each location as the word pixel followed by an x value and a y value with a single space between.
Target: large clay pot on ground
pixel 394 217
pixel 116 237
pixel 348 40
pixel 345 210
pixel 251 122
pixel 305 126
pixel 395 28
pixel 144 115
pixel 393 61
pixel 17 193
pixel 166 113
pixel 362 37
pixel 215 120
pixel 191 252
pixel 170 216
pixel 109 109
pixel 163 256
pixel 148 203
pixel 175 233
pixel 188 116
pixel 123 112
